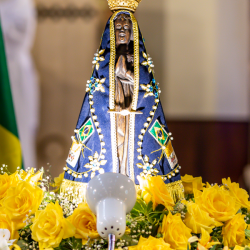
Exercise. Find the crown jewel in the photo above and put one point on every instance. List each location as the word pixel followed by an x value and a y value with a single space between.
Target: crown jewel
pixel 123 4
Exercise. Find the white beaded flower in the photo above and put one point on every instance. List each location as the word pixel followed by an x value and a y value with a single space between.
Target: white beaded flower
pixel 94 164
pixel 151 89
pixel 148 167
pixel 97 58
pixel 95 84
pixel 148 62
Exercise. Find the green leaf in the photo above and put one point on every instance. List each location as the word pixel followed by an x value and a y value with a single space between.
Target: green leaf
pixel 22 244
pixel 214 238
pixel 194 245
pixel 156 216
pixel 128 239
pixel 149 208
pixel 68 244
pixel 162 215
pixel 160 208
pixel 159 235
pixel 77 243
pixel 140 207
pixel 247 233
pixel 213 247
pixel 244 210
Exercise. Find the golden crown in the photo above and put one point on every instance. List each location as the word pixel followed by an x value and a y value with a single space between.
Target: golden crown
pixel 123 4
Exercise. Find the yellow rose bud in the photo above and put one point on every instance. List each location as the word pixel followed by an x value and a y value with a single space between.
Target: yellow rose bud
pixel 50 227
pixel 196 219
pixel 22 200
pixel 234 231
pixel 154 189
pixel 85 223
pixel 34 178
pixel 15 247
pixel 217 202
pixel 151 243
pixel 7 181
pixel 30 176
pixel 22 174
pixel 190 183
pixel 6 223
pixel 205 242
pixel 58 181
pixel 175 232
pixel 238 193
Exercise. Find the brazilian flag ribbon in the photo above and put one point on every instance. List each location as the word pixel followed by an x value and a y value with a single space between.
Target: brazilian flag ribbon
pixel 163 139
pixel 10 146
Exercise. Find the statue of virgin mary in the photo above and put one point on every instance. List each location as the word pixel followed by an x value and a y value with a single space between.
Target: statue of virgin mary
pixel 121 127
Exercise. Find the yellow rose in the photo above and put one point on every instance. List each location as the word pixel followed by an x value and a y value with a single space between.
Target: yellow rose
pixel 22 200
pixel 239 248
pixel 196 219
pixel 190 183
pixel 238 193
pixel 7 181
pixel 234 231
pixel 85 222
pixel 6 223
pixel 217 202
pixel 58 181
pixel 50 227
pixel 175 232
pixel 151 243
pixel 154 189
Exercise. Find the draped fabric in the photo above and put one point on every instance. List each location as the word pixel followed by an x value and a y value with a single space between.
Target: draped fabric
pixel 150 148
pixel 19 25
pixel 10 147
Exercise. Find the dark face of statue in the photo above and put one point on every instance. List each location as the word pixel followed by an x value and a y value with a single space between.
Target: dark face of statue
pixel 123 26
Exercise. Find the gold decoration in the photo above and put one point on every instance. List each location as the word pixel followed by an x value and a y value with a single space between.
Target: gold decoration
pixel 73 189
pixel 123 5
pixel 176 190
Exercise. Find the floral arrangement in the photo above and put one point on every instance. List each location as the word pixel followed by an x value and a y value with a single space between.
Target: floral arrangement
pixel 33 215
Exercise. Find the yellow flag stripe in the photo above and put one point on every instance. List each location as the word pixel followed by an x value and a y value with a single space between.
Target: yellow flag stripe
pixel 169 149
pixel 10 150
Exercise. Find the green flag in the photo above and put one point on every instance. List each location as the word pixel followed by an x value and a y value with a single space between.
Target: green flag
pixel 10 147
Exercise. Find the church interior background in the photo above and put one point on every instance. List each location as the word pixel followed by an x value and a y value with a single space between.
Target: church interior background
pixel 201 54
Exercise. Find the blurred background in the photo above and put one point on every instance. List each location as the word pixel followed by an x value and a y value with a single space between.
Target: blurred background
pixel 201 56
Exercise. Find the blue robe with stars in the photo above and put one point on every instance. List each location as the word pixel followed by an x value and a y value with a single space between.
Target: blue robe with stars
pixel 151 151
